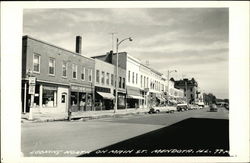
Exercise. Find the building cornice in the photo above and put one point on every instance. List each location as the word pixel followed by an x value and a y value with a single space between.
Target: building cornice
pixel 44 42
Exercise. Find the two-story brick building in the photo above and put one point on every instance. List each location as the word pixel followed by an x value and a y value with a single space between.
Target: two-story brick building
pixel 64 79
pixel 106 82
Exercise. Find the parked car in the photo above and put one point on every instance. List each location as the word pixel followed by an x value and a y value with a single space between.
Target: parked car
pixel 193 107
pixel 201 105
pixel 213 108
pixel 181 107
pixel 161 109
pixel 226 106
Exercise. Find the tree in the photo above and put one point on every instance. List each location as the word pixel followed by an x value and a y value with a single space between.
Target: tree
pixel 209 98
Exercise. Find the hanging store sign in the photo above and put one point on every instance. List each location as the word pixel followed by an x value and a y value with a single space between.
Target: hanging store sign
pixel 32 89
pixel 32 80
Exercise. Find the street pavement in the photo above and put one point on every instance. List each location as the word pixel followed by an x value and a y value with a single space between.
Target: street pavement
pixel 126 135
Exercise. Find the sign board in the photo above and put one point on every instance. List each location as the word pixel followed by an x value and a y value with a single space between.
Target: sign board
pixel 32 89
pixel 32 80
pixel 80 89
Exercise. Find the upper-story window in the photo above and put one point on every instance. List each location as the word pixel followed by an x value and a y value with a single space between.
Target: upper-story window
pixel 74 71
pixel 120 82
pixel 147 83
pixel 52 63
pixel 103 77
pixel 129 76
pixel 107 79
pixel 141 81
pixel 112 79
pixel 83 73
pixel 133 77
pixel 136 78
pixel 97 76
pixel 64 69
pixel 36 63
pixel 90 75
pixel 123 83
pixel 144 82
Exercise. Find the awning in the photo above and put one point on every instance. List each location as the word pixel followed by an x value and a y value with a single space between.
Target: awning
pixel 135 97
pixel 173 101
pixel 161 99
pixel 106 95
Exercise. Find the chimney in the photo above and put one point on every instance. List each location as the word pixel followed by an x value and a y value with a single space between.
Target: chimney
pixel 109 57
pixel 79 44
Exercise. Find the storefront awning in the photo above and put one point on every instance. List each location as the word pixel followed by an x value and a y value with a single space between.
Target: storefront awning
pixel 173 101
pixel 135 97
pixel 106 95
pixel 161 99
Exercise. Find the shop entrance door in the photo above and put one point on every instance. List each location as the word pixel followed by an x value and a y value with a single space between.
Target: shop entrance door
pixel 64 101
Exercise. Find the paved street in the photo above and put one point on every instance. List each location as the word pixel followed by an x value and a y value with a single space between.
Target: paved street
pixel 128 132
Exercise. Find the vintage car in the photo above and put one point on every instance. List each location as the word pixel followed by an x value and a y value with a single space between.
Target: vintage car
pixel 162 109
pixel 182 107
pixel 213 108
pixel 201 105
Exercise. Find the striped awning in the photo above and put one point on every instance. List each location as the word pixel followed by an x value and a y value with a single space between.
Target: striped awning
pixel 106 95
pixel 135 97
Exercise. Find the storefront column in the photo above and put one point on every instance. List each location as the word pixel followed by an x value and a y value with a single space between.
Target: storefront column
pixel 86 101
pixel 40 95
pixel 25 97
pixel 77 101
pixel 55 98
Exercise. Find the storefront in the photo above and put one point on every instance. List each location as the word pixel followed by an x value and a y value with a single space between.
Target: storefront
pixel 134 97
pixel 104 99
pixel 81 98
pixel 161 101
pixel 47 97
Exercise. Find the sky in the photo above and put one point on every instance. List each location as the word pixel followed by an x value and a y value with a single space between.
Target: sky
pixel 193 41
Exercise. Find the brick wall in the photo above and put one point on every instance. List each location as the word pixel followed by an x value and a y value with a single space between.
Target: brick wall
pixel 47 51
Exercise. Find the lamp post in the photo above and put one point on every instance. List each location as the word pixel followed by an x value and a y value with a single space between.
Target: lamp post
pixel 168 94
pixel 117 77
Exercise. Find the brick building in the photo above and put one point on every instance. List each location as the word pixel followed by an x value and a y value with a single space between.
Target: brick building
pixel 107 70
pixel 144 85
pixel 64 79
pixel 189 87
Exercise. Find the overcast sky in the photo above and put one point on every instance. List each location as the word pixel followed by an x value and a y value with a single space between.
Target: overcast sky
pixel 194 41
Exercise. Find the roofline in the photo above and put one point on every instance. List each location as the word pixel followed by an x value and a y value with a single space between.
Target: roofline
pixel 27 36
pixel 99 60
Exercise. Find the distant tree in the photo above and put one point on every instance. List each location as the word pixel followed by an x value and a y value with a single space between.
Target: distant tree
pixel 209 98
pixel 226 100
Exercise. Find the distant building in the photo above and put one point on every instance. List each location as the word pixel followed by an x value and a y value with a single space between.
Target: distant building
pixel 144 85
pixel 190 89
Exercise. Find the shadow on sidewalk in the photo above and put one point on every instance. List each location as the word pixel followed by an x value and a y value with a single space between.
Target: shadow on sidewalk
pixel 190 137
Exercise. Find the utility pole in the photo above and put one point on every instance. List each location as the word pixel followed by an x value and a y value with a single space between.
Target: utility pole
pixel 112 37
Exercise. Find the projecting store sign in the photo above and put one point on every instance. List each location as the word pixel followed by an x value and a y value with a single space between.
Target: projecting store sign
pixel 32 85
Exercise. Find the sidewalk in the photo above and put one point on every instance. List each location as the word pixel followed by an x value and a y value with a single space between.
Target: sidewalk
pixel 49 117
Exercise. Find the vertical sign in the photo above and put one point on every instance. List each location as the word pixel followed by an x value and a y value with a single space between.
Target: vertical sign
pixel 32 83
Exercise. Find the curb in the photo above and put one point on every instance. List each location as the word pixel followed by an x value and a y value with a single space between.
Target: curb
pixel 83 118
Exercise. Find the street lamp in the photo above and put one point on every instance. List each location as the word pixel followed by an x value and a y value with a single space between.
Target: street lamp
pixel 168 94
pixel 117 58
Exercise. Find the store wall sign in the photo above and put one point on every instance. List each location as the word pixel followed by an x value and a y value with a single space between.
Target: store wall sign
pixel 80 89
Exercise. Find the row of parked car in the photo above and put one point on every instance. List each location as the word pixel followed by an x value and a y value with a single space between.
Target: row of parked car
pixel 180 107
